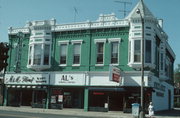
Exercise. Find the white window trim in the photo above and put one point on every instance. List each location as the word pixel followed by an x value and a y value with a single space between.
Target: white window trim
pixel 114 40
pixel 63 42
pixel 62 65
pixel 77 64
pixel 76 41
pixel 41 66
pixel 99 40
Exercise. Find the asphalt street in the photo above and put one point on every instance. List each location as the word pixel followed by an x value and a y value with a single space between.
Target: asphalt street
pixel 14 114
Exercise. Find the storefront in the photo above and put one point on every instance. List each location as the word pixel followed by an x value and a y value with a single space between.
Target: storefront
pixel 106 99
pixel 26 89
pixel 67 90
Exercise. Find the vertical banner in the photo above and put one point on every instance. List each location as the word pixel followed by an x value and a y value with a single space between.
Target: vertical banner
pixel 114 74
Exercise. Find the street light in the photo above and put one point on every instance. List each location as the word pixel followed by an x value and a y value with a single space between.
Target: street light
pixel 138 11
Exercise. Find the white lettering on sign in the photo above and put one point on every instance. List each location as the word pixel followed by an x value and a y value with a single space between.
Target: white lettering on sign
pixel 26 79
pixel 67 79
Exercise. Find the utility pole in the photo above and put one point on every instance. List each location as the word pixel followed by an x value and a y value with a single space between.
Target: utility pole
pixel 125 4
pixel 142 114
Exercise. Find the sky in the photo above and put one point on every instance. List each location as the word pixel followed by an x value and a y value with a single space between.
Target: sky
pixel 15 13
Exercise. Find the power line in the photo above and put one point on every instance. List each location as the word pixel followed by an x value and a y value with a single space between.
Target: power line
pixel 75 13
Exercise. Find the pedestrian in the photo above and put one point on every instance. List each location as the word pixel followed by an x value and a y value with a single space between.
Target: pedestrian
pixel 151 110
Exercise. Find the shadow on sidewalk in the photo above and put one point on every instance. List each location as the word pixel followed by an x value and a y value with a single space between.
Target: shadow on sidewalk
pixel 174 112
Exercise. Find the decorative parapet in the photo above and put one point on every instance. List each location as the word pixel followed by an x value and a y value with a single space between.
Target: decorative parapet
pixel 103 21
pixel 24 30
pixel 92 25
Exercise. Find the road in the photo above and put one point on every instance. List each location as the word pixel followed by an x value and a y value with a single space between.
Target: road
pixel 14 114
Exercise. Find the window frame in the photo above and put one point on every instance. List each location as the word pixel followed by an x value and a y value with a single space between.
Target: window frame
pixel 135 51
pixel 97 41
pixel 146 50
pixel 66 42
pixel 75 42
pixel 111 41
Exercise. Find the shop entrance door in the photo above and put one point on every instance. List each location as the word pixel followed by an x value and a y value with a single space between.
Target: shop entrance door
pixel 67 100
pixel 26 97
pixel 115 101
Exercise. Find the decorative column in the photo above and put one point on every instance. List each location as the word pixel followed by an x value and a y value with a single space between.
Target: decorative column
pixel 86 99
pixel 5 96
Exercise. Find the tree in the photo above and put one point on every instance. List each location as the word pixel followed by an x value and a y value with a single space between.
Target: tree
pixel 177 76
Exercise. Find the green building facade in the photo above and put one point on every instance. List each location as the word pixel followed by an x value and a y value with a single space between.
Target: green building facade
pixel 93 65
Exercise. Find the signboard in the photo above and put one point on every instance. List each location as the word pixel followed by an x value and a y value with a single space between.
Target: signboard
pixel 26 79
pixel 60 98
pixel 68 79
pixel 114 74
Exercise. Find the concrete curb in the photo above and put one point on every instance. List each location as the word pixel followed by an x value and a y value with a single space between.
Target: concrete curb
pixel 72 112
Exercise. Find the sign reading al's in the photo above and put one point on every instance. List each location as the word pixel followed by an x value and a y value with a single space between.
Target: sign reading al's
pixel 68 79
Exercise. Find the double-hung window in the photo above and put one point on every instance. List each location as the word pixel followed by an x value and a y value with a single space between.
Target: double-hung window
pixel 148 51
pixel 63 52
pixel 114 43
pixel 114 52
pixel 46 54
pixel 37 54
pixel 30 55
pixel 137 50
pixel 76 54
pixel 100 51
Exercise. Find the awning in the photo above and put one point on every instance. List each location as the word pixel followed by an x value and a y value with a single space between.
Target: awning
pixel 26 86
pixel 106 89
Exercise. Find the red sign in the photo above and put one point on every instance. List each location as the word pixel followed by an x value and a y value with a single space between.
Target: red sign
pixel 98 93
pixel 114 74
pixel 116 77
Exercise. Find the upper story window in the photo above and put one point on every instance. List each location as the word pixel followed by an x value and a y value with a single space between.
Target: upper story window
pixel 63 52
pixel 100 51
pixel 114 42
pixel 147 27
pixel 114 52
pixel 37 54
pixel 162 61
pixel 39 33
pixel 137 50
pixel 137 27
pixel 30 56
pixel 137 34
pixel 46 54
pixel 148 51
pixel 76 52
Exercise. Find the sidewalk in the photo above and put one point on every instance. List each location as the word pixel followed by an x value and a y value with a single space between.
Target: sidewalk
pixel 72 112
pixel 80 112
